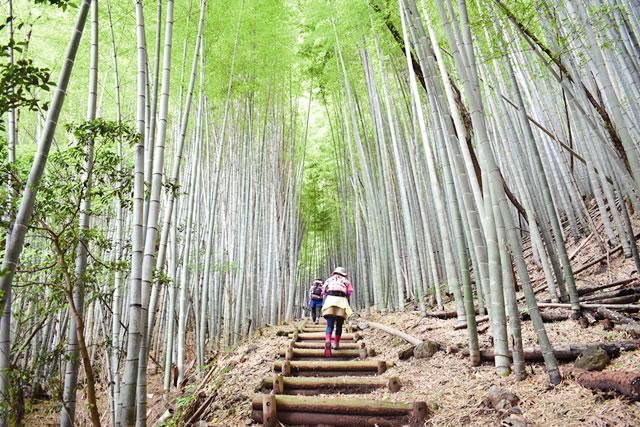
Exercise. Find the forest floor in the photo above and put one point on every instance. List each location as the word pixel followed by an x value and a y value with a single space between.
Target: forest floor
pixel 453 390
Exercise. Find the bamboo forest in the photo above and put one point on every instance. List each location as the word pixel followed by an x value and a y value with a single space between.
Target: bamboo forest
pixel 319 212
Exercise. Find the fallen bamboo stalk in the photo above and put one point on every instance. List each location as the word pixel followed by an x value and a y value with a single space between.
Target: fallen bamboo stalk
pixel 589 264
pixel 443 314
pixel 549 317
pixel 565 353
pixel 591 290
pixel 612 294
pixel 623 299
pixel 602 258
pixel 546 317
pixel 463 325
pixel 483 328
pixel 627 323
pixel 197 415
pixel 395 332
pixel 616 317
pixel 586 291
pixel 582 245
pixel 587 305
pixel 626 383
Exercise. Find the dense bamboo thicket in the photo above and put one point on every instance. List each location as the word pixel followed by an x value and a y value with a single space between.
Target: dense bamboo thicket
pixel 196 164
pixel 484 136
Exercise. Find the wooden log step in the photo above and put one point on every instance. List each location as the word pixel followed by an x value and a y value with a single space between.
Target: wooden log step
pixel 314 386
pixel 315 336
pixel 296 353
pixel 307 329
pixel 341 420
pixel 330 368
pixel 320 344
pixel 303 410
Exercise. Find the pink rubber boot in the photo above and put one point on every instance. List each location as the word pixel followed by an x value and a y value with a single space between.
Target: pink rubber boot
pixel 327 346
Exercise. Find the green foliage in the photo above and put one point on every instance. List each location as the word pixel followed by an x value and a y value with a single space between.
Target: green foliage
pixel 20 80
pixel 55 219
pixel 62 4
pixel 227 266
pixel 319 204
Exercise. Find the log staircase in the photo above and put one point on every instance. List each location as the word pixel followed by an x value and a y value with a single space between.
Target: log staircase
pixel 296 393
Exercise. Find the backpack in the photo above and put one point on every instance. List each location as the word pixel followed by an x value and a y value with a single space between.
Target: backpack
pixel 336 284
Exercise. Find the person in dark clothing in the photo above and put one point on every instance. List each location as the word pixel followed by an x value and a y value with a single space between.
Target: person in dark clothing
pixel 315 300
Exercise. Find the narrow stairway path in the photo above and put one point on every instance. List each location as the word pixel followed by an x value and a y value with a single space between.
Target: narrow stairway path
pixel 298 392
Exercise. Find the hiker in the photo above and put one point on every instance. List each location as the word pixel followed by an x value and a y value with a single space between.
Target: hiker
pixel 337 291
pixel 315 300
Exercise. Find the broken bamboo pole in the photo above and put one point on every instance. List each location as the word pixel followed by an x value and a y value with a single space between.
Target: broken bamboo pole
pixel 395 332
pixel 602 258
pixel 612 294
pixel 623 299
pixel 627 323
pixel 463 325
pixel 590 305
pixel 546 317
pixel 580 246
pixel 564 353
pixel 591 290
pixel 443 314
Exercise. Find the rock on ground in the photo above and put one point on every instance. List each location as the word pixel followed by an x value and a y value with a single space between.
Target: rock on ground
pixel 425 350
pixel 592 359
